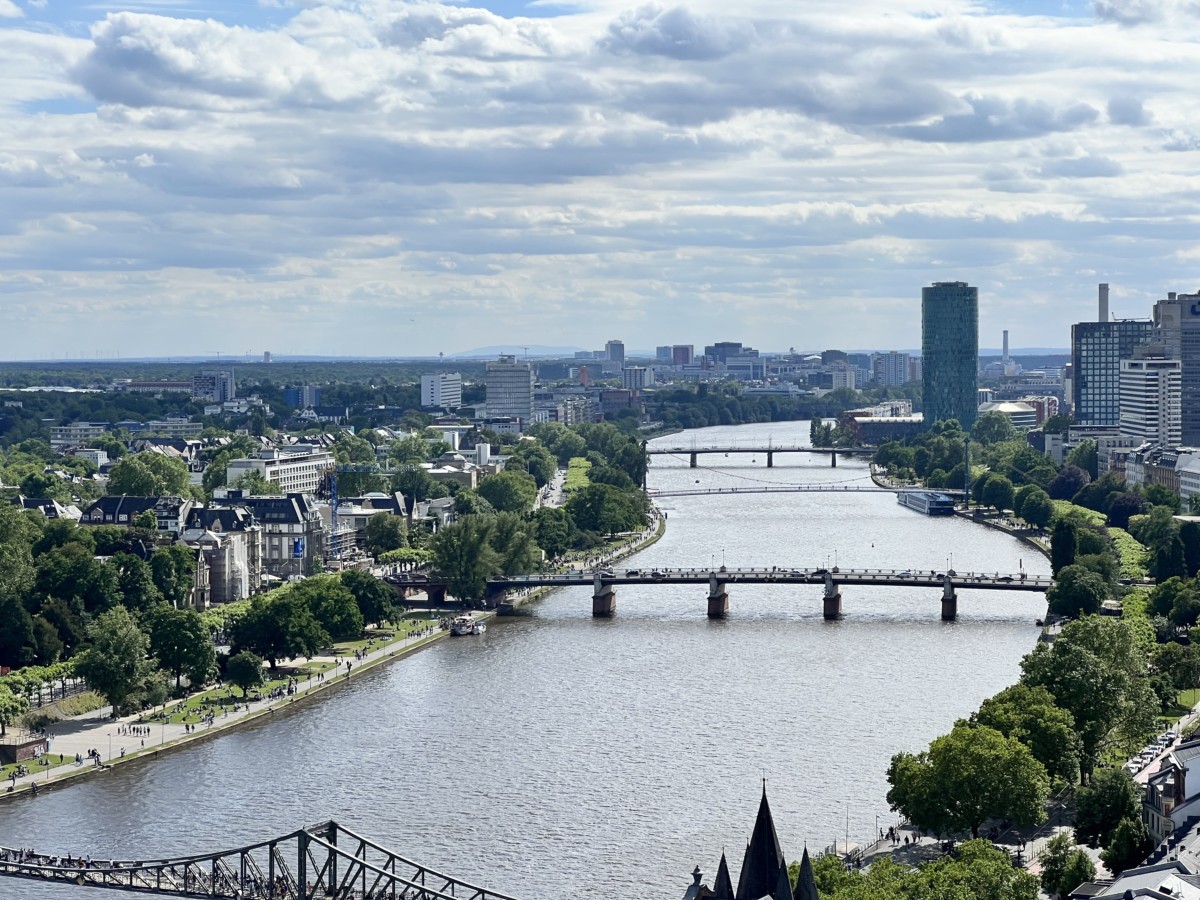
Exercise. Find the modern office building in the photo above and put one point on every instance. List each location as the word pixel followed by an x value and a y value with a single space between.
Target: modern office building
pixel 891 368
pixel 442 390
pixel 509 385
pixel 662 353
pixel 614 352
pixel 296 469
pixel 305 396
pixel 682 354
pixel 635 378
pixel 1177 321
pixel 950 351
pixel 1150 401
pixel 722 350
pixel 1097 349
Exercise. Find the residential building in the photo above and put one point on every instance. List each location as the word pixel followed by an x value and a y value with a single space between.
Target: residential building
pixel 76 433
pixel 682 354
pixel 174 427
pixel 950 351
pixel 97 458
pixel 637 377
pixel 1150 400
pixel 293 534
pixel 214 387
pixel 916 369
pixel 49 507
pixel 302 397
pixel 442 390
pixel 232 544
pixel 296 469
pixel 891 368
pixel 510 385
pixel 170 513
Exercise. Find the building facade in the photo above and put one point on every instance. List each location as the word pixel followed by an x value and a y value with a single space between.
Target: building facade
pixel 1150 401
pixel 296 469
pixel 441 390
pixel 950 351
pixel 1097 349
pixel 214 387
pixel 510 385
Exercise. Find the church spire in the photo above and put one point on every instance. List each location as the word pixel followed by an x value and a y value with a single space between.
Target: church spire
pixel 806 882
pixel 723 886
pixel 760 868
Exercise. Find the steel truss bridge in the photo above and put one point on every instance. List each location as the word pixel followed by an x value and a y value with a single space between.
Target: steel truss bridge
pixel 323 862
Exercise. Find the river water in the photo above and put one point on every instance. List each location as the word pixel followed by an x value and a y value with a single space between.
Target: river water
pixel 559 756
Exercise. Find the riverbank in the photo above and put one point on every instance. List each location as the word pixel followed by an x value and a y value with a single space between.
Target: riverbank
pixel 117 739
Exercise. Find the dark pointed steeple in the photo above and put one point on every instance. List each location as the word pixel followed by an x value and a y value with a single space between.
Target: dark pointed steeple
pixel 783 887
pixel 806 882
pixel 760 868
pixel 723 887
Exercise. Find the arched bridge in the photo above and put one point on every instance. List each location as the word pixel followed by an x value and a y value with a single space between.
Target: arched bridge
pixel 604 581
pixel 767 450
pixel 324 862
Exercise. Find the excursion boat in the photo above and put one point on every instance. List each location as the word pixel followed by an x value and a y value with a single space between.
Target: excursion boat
pixel 931 503
pixel 466 624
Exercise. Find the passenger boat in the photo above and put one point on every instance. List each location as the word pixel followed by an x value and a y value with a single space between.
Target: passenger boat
pixel 466 624
pixel 929 502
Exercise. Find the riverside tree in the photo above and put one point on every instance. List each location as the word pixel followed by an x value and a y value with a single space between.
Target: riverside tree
pixel 116 663
pixel 966 777
pixel 279 626
pixel 245 670
pixel 1030 715
pixel 464 557
pixel 183 644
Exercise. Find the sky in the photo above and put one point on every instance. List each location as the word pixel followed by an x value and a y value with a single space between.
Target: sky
pixel 379 178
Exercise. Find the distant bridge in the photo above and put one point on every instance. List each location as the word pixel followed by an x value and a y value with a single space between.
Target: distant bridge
pixel 767 450
pixel 788 489
pixel 324 862
pixel 603 583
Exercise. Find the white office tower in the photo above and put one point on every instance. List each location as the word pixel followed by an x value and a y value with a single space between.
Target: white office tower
pixel 509 386
pixel 1150 401
pixel 442 390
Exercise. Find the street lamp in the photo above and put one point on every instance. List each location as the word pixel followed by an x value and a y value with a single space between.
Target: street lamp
pixel 110 746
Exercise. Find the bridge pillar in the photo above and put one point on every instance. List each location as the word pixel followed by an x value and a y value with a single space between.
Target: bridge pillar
pixel 833 460
pixel 494 595
pixel 693 460
pixel 436 593
pixel 949 601
pixel 604 599
pixel 770 459
pixel 718 598
pixel 833 599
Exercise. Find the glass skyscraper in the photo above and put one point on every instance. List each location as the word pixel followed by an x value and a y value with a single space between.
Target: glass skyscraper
pixel 950 351
pixel 1097 349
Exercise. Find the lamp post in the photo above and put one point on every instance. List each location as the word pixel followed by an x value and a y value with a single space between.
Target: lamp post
pixel 110 746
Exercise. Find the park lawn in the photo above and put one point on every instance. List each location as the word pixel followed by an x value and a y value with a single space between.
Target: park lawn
pixel 1182 706
pixel 56 760
pixel 577 475
pixel 1065 508
pixel 1131 552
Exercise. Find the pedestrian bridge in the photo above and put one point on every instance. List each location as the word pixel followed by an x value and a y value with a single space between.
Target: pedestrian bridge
pixel 767 450
pixel 604 582
pixel 789 489
pixel 324 862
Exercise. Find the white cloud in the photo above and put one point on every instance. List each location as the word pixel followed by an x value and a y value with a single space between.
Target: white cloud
pixel 10 10
pixel 620 166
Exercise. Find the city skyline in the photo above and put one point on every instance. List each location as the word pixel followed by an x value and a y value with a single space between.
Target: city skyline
pixel 351 178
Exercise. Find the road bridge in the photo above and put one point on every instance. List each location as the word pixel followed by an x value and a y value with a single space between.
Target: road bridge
pixel 789 489
pixel 323 862
pixel 605 581
pixel 768 450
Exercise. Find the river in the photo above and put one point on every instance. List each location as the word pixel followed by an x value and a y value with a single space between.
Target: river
pixel 559 756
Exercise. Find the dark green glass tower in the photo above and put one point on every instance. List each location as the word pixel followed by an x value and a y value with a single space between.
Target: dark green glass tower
pixel 950 351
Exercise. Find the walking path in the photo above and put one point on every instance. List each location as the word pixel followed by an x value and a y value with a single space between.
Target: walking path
pixel 115 744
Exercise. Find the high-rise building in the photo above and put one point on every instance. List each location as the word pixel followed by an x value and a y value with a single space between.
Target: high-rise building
pixel 950 351
pixel 722 350
pixel 614 352
pixel 304 397
pixel 663 353
pixel 441 390
pixel 509 385
pixel 1150 401
pixel 215 387
pixel 635 378
pixel 891 368
pixel 1097 349
pixel 681 354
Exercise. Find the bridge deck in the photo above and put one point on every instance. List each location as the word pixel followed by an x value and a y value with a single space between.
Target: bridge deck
pixel 765 448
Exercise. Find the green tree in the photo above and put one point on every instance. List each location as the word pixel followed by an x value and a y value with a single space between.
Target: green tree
pixel 509 491
pixel 992 428
pixel 1076 591
pixel 1064 866
pixel 1064 544
pixel 1161 495
pixel 1079 869
pixel 539 462
pixel 513 540
pixel 1086 457
pixel 998 492
pixel 173 570
pixel 116 662
pixel 1068 482
pixel 16 633
pixel 1038 509
pixel 245 670
pixel 1029 715
pixel 375 599
pixel 385 532
pixel 254 484
pixel 183 645
pixel 1123 507
pixel 279 626
pixel 415 484
pixel 149 475
pixel 136 583
pixel 554 530
pixel 468 503
pixel 605 509
pixel 1130 844
pixel 332 605
pixel 215 473
pixel 464 557
pixel 965 778
pixel 12 707
pixel 1101 805
pixel 410 450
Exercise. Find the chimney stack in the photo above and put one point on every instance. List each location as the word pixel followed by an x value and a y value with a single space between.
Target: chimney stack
pixel 1006 345
pixel 1104 303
